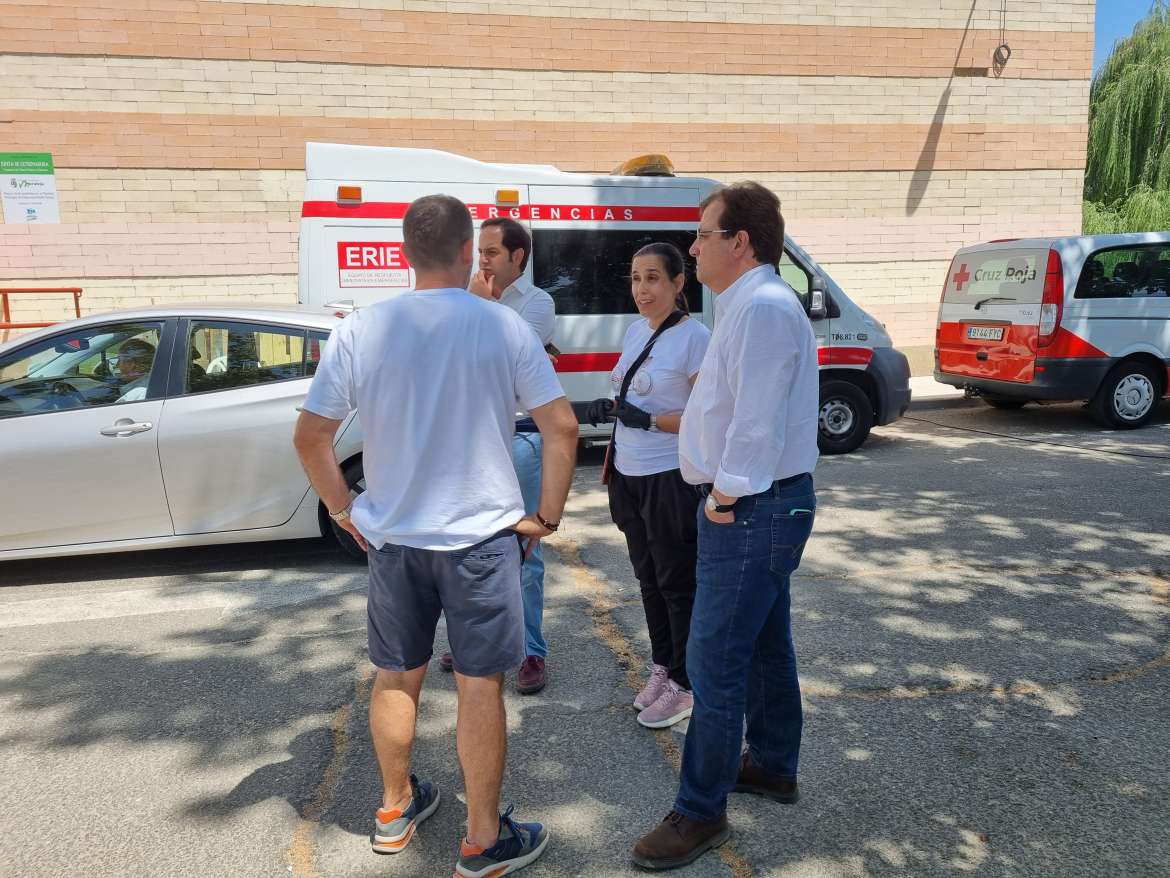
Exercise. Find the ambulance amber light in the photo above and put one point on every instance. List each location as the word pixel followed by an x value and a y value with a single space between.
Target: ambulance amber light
pixel 653 165
pixel 349 194
pixel 508 196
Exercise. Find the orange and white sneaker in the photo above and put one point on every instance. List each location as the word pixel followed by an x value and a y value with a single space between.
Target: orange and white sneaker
pixel 518 845
pixel 394 829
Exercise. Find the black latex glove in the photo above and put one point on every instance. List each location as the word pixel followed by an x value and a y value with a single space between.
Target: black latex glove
pixel 597 412
pixel 632 416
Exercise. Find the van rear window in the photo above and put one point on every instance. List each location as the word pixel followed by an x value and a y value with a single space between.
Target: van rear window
pixel 1002 275
pixel 587 271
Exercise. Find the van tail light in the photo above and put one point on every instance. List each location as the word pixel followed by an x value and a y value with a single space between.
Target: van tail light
pixel 1052 305
pixel 947 280
pixel 941 298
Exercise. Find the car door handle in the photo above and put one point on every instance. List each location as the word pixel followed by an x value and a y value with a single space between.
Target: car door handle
pixel 127 427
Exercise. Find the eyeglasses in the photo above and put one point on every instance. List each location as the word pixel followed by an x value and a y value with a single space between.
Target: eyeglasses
pixel 702 234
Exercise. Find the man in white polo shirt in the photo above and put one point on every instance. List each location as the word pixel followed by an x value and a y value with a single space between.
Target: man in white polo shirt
pixel 436 375
pixel 748 438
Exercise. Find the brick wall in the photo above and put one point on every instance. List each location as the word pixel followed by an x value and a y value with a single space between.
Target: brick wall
pixel 178 126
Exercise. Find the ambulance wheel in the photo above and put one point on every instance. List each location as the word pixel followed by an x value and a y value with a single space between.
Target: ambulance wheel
pixel 1004 402
pixel 845 418
pixel 355 479
pixel 1127 397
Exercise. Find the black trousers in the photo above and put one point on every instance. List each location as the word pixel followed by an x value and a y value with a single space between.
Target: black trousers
pixel 658 516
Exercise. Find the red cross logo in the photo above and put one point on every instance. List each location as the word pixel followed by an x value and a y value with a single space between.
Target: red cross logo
pixel 961 277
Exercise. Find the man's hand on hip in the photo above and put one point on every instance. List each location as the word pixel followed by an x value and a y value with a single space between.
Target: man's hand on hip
pixel 532 531
pixel 348 526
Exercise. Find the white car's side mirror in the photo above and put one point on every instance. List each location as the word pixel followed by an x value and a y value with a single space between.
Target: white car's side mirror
pixel 818 300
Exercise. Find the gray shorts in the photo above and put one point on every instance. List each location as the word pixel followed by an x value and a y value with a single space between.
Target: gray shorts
pixel 478 588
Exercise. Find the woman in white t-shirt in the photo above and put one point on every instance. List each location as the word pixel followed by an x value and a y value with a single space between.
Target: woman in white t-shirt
pixel 648 499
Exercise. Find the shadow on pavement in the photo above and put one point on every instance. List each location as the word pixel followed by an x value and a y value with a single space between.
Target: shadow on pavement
pixel 980 626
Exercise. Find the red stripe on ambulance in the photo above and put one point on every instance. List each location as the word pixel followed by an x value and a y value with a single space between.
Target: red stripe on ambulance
pixel 595 362
pixel 835 356
pixel 396 210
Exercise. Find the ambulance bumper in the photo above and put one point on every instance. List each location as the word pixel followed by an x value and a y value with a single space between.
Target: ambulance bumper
pixel 890 371
pixel 1064 379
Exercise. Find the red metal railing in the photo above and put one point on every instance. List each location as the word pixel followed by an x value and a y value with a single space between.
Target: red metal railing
pixel 6 311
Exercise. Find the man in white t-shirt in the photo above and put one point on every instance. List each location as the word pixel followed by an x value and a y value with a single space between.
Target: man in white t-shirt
pixel 504 248
pixel 436 375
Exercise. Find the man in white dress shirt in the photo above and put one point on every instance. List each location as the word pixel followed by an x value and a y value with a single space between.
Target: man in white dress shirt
pixel 504 249
pixel 749 439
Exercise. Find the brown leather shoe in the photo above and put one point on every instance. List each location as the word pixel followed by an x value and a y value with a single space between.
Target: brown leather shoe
pixel 531 677
pixel 447 662
pixel 679 840
pixel 754 780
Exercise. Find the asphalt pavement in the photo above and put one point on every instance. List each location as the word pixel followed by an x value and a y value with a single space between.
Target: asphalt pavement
pixel 983 620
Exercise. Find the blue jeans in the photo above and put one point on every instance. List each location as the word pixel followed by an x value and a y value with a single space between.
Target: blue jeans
pixel 740 657
pixel 526 457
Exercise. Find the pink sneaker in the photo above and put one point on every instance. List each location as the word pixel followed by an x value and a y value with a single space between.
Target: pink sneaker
pixel 654 687
pixel 673 706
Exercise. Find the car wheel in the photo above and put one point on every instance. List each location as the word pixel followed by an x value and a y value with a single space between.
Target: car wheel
pixel 1004 402
pixel 845 417
pixel 355 479
pixel 1127 397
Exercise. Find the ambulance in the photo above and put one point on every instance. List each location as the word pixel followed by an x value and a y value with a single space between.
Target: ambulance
pixel 585 229
pixel 1060 319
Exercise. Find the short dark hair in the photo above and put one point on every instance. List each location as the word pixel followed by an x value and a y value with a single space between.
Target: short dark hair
pixel 434 230
pixel 137 350
pixel 755 209
pixel 515 236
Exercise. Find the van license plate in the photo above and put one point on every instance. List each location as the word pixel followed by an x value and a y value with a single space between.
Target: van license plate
pixel 985 333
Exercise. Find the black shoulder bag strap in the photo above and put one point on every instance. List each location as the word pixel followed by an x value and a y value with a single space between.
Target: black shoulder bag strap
pixel 671 320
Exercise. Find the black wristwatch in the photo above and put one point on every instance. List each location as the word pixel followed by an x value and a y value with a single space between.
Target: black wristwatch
pixel 547 525
pixel 713 505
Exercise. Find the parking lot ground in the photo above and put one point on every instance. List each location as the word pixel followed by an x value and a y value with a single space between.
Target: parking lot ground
pixel 983 619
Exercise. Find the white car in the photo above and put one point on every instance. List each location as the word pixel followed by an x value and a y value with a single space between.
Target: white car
pixel 162 427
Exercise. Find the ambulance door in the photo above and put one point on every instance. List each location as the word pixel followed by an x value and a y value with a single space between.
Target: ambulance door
pixel 354 247
pixel 583 239
pixel 989 319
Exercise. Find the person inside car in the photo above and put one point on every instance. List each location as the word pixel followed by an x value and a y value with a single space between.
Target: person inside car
pixel 135 357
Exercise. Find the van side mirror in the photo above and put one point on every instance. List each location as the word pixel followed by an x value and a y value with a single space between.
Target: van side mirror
pixel 818 299
pixel 340 308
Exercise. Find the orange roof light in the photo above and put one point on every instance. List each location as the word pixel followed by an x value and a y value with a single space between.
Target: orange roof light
pixel 349 194
pixel 652 165
pixel 508 196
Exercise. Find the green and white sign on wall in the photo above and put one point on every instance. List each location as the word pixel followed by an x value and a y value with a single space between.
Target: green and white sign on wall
pixel 28 187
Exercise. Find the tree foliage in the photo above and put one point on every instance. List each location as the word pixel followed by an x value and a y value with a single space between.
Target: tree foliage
pixel 1127 172
pixel 1146 210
